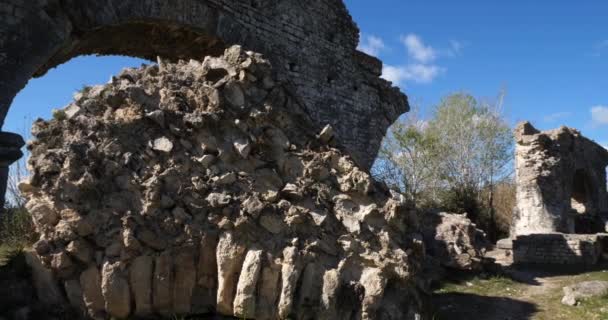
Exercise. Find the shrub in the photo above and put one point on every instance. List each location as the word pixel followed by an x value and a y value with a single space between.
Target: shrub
pixel 16 228
pixel 59 115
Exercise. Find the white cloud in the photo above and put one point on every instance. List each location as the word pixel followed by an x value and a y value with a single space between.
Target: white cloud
pixel 417 50
pixel 372 45
pixel 393 74
pixel 423 73
pixel 421 66
pixel 455 48
pixel 599 115
pixel 599 49
pixel 556 116
pixel 416 72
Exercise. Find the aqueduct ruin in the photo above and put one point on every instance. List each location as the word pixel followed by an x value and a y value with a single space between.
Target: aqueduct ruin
pixel 562 209
pixel 311 44
pixel 561 182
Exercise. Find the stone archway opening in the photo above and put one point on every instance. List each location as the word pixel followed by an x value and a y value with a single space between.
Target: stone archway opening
pixel 580 192
pixel 584 218
pixel 164 39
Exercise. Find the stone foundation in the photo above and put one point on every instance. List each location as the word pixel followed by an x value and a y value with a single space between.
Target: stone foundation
pixel 559 248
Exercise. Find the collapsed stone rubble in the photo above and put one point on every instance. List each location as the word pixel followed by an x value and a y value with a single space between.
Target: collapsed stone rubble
pixel 454 241
pixel 196 187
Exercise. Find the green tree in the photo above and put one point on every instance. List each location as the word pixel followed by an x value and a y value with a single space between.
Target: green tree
pixel 464 148
pixel 407 159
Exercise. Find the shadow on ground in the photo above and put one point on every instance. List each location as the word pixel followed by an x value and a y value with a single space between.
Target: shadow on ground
pixel 463 306
pixel 526 274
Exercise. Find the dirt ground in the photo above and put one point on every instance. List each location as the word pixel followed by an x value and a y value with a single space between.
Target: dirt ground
pixel 521 294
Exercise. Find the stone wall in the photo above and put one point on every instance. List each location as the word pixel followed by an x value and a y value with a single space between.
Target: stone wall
pixel 559 249
pixel 311 44
pixel 561 182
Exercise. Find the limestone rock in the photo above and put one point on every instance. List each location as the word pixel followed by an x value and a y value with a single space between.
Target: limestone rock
pixel 206 272
pixel 206 160
pixel 374 284
pixel 326 134
pixel 587 289
pixel 290 273
pixel 78 223
pixel 229 263
pixel 331 284
pixel 150 239
pixel 90 282
pixel 309 296
pixel 43 280
pixel 234 94
pixel 115 290
pixel 140 281
pixel 454 240
pixel 185 280
pixel 272 223
pixel 162 285
pixel 162 144
pixel 72 111
pixel 243 147
pixel 269 291
pixel 80 250
pixel 245 299
pixel 74 294
pixel 42 214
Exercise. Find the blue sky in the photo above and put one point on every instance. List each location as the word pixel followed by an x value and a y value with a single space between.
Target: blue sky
pixel 550 56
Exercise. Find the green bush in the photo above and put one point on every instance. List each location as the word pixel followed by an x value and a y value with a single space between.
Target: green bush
pixel 16 228
pixel 59 115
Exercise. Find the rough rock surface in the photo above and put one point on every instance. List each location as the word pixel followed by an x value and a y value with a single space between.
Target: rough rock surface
pixel 454 240
pixel 207 170
pixel 588 289
pixel 561 182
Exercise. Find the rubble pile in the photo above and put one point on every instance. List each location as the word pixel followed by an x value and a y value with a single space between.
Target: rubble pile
pixel 454 241
pixel 201 187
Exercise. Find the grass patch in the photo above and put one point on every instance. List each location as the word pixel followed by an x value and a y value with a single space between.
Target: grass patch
pixel 493 286
pixel 546 298
pixel 588 309
pixel 6 254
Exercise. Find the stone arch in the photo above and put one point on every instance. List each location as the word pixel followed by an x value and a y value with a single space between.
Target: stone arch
pixel 580 191
pixel 303 39
pixel 586 207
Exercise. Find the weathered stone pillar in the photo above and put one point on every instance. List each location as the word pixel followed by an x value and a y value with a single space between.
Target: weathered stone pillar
pixel 10 151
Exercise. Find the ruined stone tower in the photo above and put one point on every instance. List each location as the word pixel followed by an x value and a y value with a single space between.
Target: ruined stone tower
pixel 561 182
